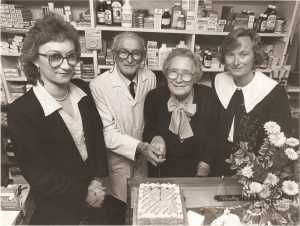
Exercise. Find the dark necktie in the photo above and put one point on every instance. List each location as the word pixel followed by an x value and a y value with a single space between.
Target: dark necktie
pixel 131 89
pixel 239 111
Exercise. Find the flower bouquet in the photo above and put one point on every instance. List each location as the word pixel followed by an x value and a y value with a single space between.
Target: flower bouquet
pixel 269 178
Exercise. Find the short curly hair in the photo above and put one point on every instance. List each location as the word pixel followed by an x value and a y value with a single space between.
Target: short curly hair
pixel 52 27
pixel 183 52
pixel 230 43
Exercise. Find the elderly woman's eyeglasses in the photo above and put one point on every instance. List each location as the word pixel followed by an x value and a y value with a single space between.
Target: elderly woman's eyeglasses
pixel 56 59
pixel 186 76
pixel 123 54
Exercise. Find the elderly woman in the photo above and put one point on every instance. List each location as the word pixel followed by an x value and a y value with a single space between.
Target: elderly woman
pixel 57 130
pixel 181 119
pixel 247 97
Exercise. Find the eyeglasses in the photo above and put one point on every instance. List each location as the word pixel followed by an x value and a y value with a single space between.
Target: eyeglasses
pixel 56 59
pixel 186 76
pixel 123 54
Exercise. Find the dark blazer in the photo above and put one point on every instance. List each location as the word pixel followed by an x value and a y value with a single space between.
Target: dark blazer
pixel 182 158
pixel 273 107
pixel 50 160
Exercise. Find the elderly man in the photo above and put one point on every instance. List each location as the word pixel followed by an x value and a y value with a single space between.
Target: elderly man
pixel 120 94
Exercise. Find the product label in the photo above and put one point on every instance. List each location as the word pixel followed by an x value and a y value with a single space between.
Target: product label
pixel 166 21
pixel 117 12
pixel 108 17
pixel 271 22
pixel 101 17
pixel 126 19
pixel 175 16
pixel 263 26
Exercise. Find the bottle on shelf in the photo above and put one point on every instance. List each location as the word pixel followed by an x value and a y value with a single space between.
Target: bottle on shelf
pixel 101 12
pixel 108 13
pixel 207 59
pixel 127 14
pixel 271 18
pixel 182 44
pixel 163 53
pixel 166 19
pixel 181 22
pixel 262 23
pixel 176 12
pixel 116 12
pixel 198 52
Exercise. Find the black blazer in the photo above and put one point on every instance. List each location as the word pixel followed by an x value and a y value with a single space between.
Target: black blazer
pixel 49 158
pixel 273 107
pixel 182 158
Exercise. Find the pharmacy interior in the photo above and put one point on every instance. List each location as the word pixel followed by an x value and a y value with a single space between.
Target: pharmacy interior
pixel 198 25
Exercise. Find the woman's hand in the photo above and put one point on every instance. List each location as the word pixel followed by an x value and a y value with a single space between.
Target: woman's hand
pixel 160 145
pixel 203 169
pixel 96 194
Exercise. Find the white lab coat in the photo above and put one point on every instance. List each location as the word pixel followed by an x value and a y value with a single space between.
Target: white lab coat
pixel 123 122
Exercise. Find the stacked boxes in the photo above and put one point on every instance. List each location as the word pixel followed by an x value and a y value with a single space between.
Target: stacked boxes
pixel 152 54
pixel 12 46
pixel 15 16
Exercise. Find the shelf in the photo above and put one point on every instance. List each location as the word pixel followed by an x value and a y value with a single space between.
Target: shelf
pixel 221 69
pixel 137 29
pixel 17 79
pixel 14 30
pixel 175 31
pixel 10 54
pixel 293 89
pixel 86 55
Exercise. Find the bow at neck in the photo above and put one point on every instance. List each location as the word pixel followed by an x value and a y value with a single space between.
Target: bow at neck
pixel 181 115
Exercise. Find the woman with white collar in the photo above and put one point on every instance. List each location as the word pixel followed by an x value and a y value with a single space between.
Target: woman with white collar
pixel 248 98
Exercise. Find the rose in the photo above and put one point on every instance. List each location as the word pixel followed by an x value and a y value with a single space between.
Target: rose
pixel 277 139
pixel 272 127
pixel 291 154
pixel 293 142
pixel 255 187
pixel 290 187
pixel 247 171
pixel 271 179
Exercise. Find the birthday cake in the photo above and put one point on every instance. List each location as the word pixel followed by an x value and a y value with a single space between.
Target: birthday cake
pixel 159 204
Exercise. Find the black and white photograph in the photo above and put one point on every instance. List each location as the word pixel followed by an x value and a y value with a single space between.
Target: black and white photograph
pixel 150 112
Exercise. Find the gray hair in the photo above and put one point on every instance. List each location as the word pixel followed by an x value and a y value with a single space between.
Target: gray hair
pixel 124 35
pixel 182 52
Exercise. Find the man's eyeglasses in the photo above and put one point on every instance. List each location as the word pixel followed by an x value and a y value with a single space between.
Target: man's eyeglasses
pixel 123 54
pixel 56 59
pixel 186 76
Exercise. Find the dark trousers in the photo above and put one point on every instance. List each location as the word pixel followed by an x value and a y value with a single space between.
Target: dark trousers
pixel 112 212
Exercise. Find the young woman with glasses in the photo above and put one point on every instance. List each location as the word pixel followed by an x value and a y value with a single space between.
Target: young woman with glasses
pixel 57 130
pixel 182 118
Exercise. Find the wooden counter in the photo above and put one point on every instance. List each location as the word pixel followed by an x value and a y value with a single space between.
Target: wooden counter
pixel 197 191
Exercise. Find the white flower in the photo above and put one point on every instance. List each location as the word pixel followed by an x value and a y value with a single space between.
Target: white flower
pixel 291 154
pixel 290 187
pixel 265 193
pixel 247 171
pixel 255 187
pixel 293 142
pixel 272 127
pixel 271 179
pixel 277 139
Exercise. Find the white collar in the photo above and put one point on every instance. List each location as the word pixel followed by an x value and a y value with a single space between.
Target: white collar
pixel 117 80
pixel 254 92
pixel 127 81
pixel 48 102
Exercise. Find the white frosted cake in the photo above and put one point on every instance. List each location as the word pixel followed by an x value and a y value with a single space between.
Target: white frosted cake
pixel 159 204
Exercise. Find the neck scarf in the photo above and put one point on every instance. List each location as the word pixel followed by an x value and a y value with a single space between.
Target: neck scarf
pixel 181 115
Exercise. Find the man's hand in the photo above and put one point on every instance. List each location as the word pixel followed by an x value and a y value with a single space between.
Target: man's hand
pixel 96 194
pixel 149 152
pixel 203 169
pixel 159 143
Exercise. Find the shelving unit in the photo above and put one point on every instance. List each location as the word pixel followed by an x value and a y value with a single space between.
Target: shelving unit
pixel 286 9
